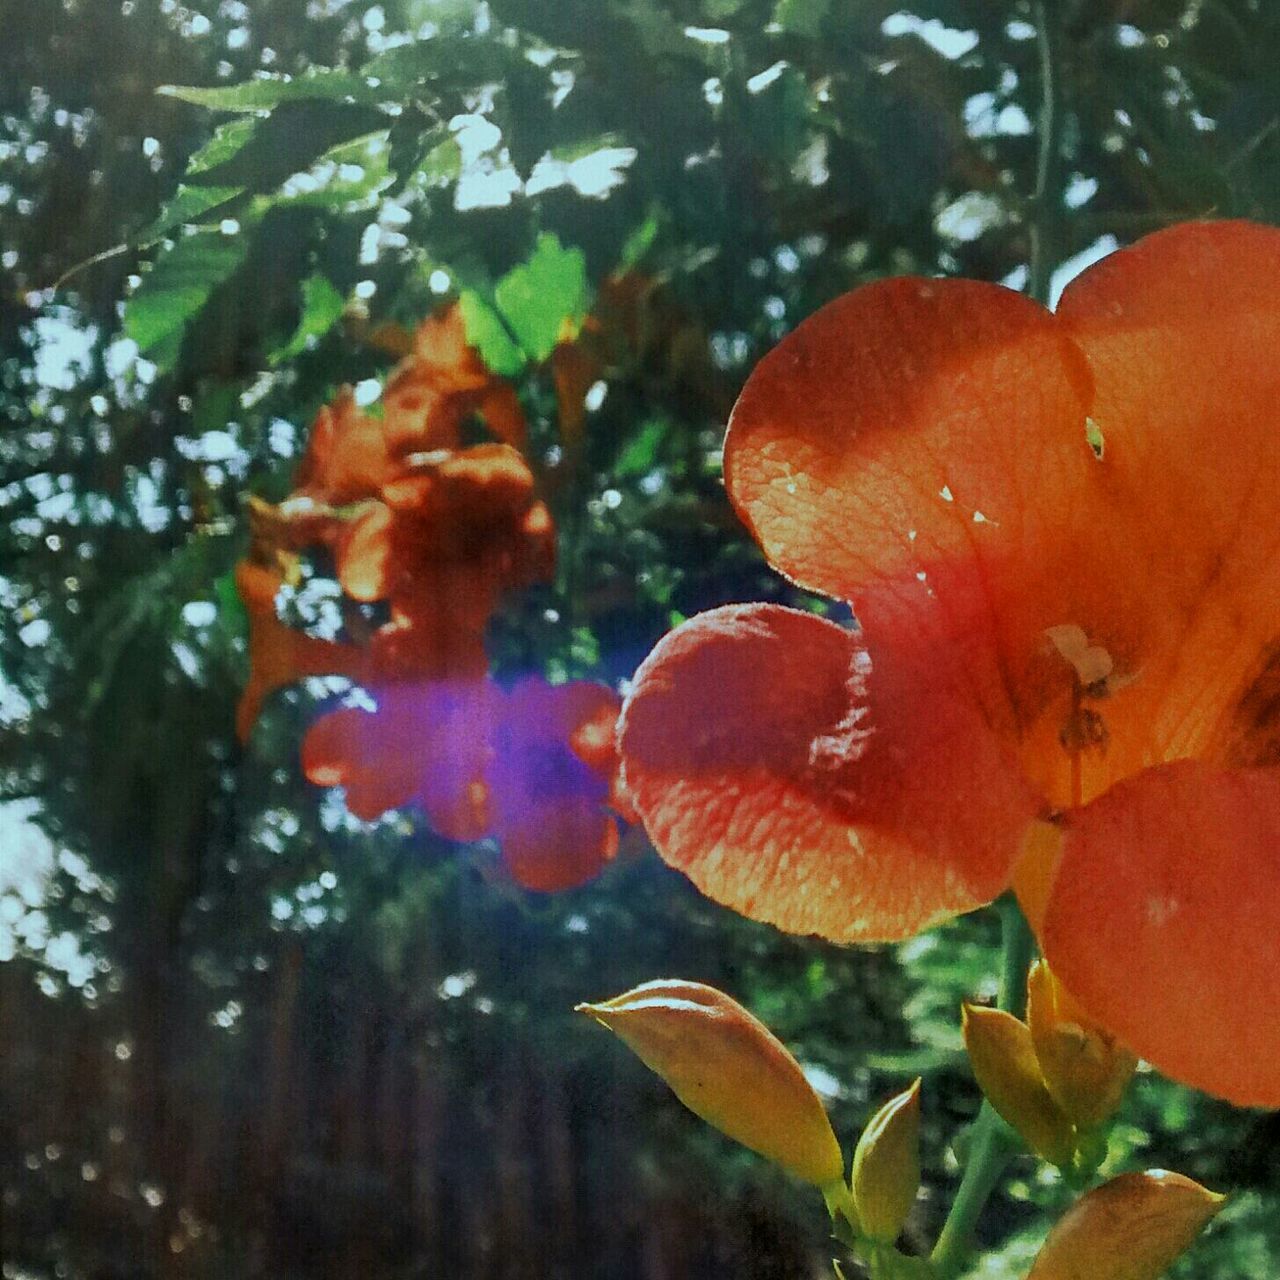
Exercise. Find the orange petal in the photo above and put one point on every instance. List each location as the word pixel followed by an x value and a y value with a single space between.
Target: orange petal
pixel 350 748
pixel 440 347
pixel 453 721
pixel 363 554
pixel 803 782
pixel 549 801
pixel 574 368
pixel 346 456
pixel 1163 922
pixel 278 653
pixel 425 743
pixel 500 408
pixel 869 438
pixel 1181 333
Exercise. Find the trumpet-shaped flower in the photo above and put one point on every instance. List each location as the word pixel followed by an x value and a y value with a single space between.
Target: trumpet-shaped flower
pixel 436 534
pixel 1059 534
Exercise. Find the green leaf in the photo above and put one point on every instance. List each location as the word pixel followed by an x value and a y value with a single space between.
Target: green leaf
pixel 659 34
pixel 775 117
pixel 339 185
pixel 231 610
pixel 188 205
pixel 537 297
pixel 295 136
pixel 266 92
pixel 641 240
pixel 322 305
pixel 446 15
pixel 442 164
pixel 641 452
pixel 568 152
pixel 801 17
pixel 226 142
pixel 486 332
pixel 176 289
pixel 440 62
pixel 216 403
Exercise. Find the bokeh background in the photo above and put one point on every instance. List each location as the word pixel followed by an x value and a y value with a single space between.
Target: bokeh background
pixel 243 1033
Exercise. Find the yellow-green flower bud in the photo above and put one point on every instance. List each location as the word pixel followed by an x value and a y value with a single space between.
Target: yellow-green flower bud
pixel 1085 1069
pixel 1005 1066
pixel 886 1166
pixel 729 1068
pixel 1131 1228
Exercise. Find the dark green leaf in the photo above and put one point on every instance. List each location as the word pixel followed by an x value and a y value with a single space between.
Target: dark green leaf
pixel 568 152
pixel 292 138
pixel 226 141
pixel 266 92
pixel 215 405
pixel 442 164
pixel 641 240
pixel 176 289
pixel 188 205
pixel 801 17
pixel 446 15
pixel 441 62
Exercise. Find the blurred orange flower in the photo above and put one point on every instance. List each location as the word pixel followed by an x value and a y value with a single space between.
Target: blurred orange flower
pixel 278 653
pixel 440 383
pixel 351 454
pixel 480 761
pixel 1059 533
pixel 438 534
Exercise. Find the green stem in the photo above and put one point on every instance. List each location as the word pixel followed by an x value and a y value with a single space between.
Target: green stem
pixel 1018 952
pixel 993 1144
pixel 1045 197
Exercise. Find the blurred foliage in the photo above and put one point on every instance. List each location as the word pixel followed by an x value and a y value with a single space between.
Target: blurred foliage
pixel 266 1038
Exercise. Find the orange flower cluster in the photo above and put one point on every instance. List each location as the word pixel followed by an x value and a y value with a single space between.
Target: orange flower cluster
pixel 435 533
pixel 1060 536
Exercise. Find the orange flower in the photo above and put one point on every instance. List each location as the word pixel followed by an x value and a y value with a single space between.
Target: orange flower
pixel 440 384
pixel 481 762
pixel 347 457
pixel 427 743
pixel 1059 533
pixel 550 788
pixel 473 507
pixel 438 533
pixel 351 454
pixel 278 653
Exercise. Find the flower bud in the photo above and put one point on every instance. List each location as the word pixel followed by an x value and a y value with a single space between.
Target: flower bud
pixel 1085 1069
pixel 727 1067
pixel 1130 1228
pixel 1005 1067
pixel 886 1166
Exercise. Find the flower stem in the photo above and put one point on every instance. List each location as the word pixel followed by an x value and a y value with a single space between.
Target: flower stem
pixel 993 1144
pixel 1045 197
